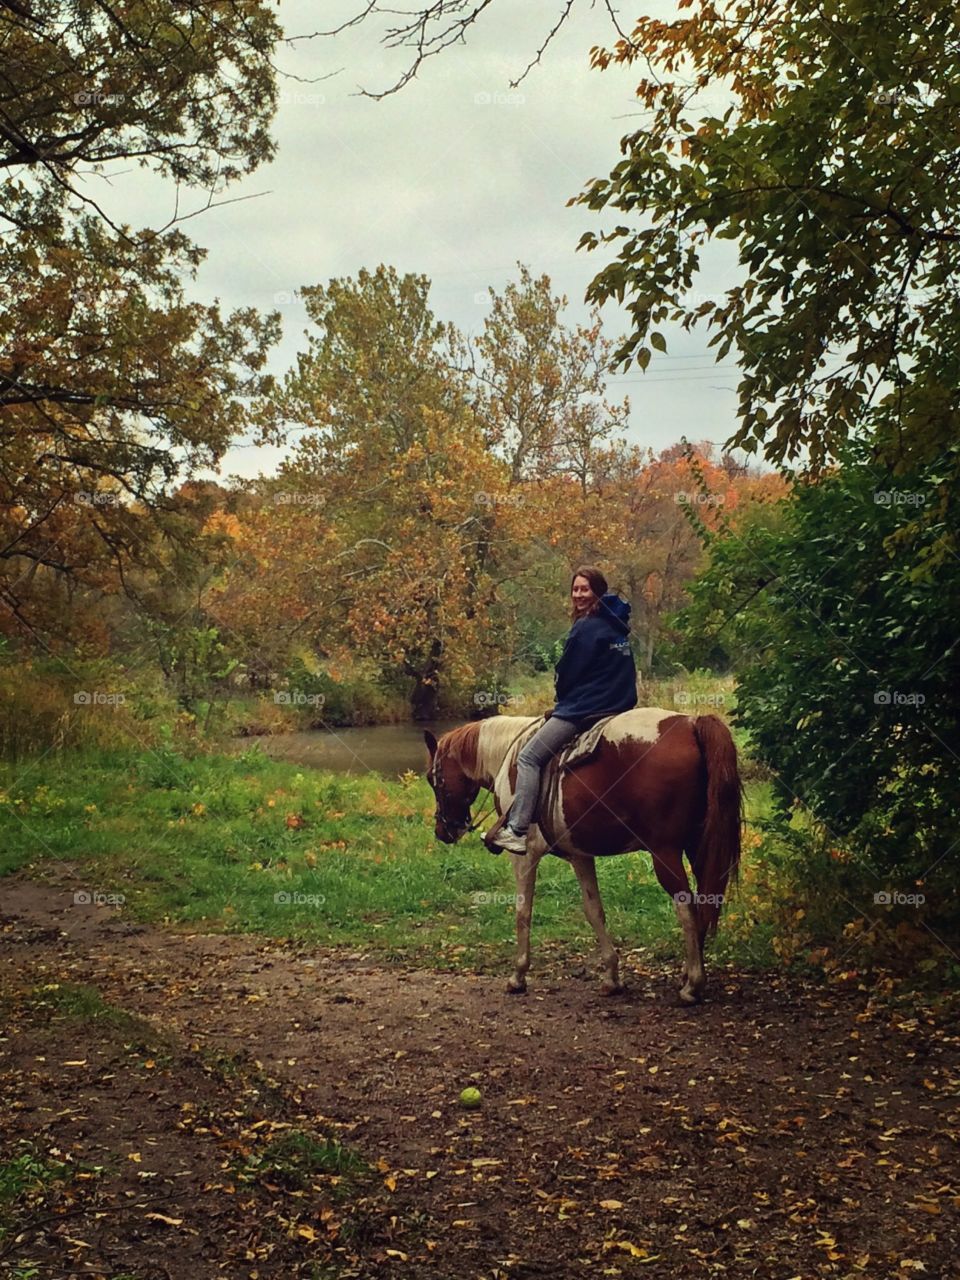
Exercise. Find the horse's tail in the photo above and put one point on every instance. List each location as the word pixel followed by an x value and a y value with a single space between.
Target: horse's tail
pixel 718 854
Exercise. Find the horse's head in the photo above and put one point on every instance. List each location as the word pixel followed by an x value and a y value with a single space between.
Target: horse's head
pixel 455 790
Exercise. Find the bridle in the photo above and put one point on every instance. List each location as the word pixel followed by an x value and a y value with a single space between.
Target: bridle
pixel 444 799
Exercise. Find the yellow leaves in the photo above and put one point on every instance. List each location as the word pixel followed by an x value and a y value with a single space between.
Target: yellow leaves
pixel 224 523
pixel 611 1204
pixel 635 1251
pixel 828 1243
pixel 162 1217
pixel 925 1204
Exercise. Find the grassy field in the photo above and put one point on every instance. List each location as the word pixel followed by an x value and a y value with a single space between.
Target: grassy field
pixel 245 843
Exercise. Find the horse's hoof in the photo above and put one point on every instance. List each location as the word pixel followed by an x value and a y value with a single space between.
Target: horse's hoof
pixel 689 997
pixel 515 988
pixel 609 989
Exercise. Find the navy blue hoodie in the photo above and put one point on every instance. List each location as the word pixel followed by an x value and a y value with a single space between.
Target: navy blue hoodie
pixel 596 672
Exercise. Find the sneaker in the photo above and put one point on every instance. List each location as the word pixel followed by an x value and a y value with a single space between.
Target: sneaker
pixel 510 840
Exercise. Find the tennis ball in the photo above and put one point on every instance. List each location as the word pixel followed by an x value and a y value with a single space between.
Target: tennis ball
pixel 470 1098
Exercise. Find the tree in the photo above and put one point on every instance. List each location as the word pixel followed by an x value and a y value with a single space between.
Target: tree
pixel 840 685
pixel 112 385
pixel 541 386
pixel 835 170
pixel 393 455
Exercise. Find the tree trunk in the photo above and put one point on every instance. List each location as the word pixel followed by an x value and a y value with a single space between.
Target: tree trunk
pixel 425 697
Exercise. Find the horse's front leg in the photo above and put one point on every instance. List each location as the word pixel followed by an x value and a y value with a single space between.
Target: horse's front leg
pixel 586 872
pixel 525 874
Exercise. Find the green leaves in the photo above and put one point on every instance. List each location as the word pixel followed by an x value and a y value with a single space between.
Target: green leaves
pixel 847 668
pixel 834 171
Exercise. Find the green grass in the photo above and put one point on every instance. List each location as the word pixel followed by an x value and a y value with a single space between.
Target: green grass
pixel 243 843
pixel 75 1000
pixel 294 1159
pixel 25 1179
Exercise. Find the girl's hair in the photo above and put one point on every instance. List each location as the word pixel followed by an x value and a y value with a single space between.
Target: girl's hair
pixel 598 585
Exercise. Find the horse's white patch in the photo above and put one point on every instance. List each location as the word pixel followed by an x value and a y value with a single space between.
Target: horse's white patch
pixel 496 735
pixel 642 724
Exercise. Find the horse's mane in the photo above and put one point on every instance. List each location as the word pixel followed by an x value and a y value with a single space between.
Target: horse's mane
pixel 461 744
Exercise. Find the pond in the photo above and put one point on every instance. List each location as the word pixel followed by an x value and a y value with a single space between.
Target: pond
pixel 388 749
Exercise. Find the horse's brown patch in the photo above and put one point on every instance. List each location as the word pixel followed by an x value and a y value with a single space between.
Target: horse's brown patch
pixel 634 795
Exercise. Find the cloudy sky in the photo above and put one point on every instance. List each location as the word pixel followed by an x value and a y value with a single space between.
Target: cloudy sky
pixel 457 176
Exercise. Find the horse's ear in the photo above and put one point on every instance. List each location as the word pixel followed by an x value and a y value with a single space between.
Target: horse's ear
pixel 431 742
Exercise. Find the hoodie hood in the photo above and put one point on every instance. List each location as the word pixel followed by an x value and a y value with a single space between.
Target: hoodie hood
pixel 616 612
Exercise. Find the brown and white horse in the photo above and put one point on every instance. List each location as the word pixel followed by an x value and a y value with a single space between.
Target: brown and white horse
pixel 659 781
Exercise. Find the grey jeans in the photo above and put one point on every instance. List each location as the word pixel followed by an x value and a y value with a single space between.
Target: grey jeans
pixel 546 742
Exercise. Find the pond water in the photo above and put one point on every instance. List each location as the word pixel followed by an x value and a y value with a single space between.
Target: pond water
pixel 388 749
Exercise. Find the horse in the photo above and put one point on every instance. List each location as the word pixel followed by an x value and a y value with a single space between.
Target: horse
pixel 659 781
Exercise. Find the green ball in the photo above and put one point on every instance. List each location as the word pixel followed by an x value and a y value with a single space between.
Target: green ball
pixel 470 1098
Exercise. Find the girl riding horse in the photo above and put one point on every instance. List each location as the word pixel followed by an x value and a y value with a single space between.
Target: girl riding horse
pixel 595 677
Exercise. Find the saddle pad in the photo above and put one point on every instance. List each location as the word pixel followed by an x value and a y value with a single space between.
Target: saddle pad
pixel 583 745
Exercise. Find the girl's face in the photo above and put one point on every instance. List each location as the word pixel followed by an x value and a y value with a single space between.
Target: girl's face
pixel 582 594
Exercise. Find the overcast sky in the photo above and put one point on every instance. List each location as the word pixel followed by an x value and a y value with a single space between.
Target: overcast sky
pixel 456 176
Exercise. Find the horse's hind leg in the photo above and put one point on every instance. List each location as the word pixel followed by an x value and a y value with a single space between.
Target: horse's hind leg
pixel 586 873
pixel 668 864
pixel 525 874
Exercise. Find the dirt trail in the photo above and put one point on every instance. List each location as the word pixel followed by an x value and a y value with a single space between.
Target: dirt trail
pixel 780 1130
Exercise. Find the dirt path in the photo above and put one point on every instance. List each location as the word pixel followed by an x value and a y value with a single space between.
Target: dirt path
pixel 780 1130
